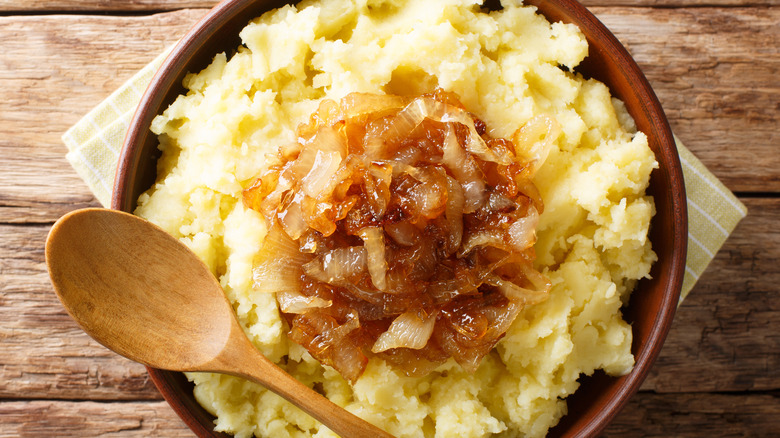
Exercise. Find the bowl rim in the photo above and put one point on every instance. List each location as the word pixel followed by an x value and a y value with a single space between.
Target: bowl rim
pixel 619 56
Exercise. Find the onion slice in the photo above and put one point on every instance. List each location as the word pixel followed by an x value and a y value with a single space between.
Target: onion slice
pixel 291 301
pixel 517 294
pixel 408 330
pixel 535 140
pixel 278 264
pixel 325 165
pixel 374 241
pixel 522 233
pixel 453 213
pixel 465 170
pixel 338 265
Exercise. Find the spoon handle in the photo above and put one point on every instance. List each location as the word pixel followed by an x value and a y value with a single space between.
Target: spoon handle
pixel 247 362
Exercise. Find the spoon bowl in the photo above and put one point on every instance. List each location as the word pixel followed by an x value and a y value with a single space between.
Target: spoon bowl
pixel 95 263
pixel 143 294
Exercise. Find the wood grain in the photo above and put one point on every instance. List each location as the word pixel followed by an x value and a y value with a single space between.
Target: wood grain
pixel 74 66
pixel 44 353
pixel 715 73
pixel 167 5
pixel 694 415
pixel 725 336
pixel 647 414
pixel 120 6
pixel 42 418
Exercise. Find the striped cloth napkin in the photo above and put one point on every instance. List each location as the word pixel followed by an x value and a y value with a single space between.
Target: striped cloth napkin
pixel 94 145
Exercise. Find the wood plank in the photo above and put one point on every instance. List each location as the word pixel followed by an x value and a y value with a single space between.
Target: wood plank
pixel 695 415
pixel 715 73
pixel 76 62
pixel 724 337
pixel 646 415
pixel 90 419
pixel 40 6
pixel 167 5
pixel 716 98
pixel 44 353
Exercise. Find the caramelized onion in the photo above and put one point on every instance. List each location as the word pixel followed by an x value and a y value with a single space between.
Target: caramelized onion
pixel 464 168
pixel 403 233
pixel 324 167
pixel 400 229
pixel 516 293
pixel 522 233
pixel 292 301
pixel 338 265
pixel 535 139
pixel 329 341
pixel 408 330
pixel 453 213
pixel 374 241
pixel 278 265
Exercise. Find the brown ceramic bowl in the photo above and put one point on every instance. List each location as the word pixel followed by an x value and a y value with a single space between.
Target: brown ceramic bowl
pixel 652 305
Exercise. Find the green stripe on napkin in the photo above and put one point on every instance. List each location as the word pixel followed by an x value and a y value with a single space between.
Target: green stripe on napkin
pixel 713 213
pixel 94 142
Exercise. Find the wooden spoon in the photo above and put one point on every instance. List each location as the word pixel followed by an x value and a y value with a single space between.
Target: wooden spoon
pixel 143 294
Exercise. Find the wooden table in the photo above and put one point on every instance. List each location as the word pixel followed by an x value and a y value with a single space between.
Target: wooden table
pixel 714 64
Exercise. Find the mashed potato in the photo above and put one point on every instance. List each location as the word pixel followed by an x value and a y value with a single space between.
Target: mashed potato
pixel 506 67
